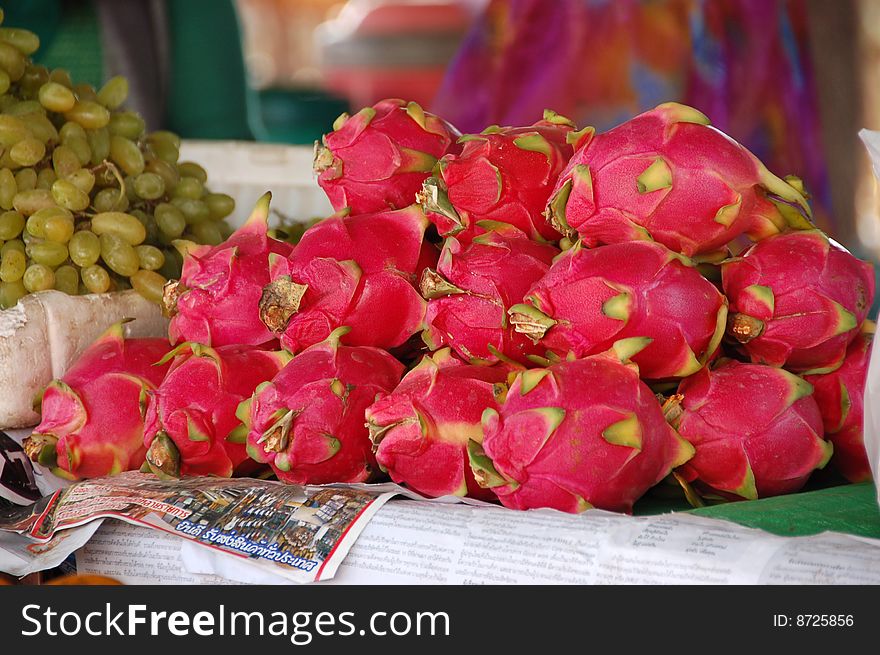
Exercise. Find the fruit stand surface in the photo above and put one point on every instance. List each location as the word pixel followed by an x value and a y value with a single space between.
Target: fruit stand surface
pixel 849 508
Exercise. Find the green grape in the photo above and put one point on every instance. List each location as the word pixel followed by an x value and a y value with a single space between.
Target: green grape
pixel 6 161
pixel 108 200
pixel 12 266
pixel 85 93
pixel 164 136
pixel 38 277
pixel 28 202
pixel 24 107
pixel 12 130
pixel 8 188
pixel 127 124
pixel 26 179
pixel 149 284
pixel 95 279
pixel 99 142
pixel 89 114
pixel 149 186
pixel 150 257
pixel 168 172
pixel 105 176
pixel 188 187
pixel 11 293
pixel 56 97
pixel 191 169
pixel 126 155
pixel 11 225
pixel 67 195
pixel 165 150
pixel 84 248
pixel 207 233
pixel 4 81
pixel 34 225
pixel 12 61
pixel 173 263
pixel 61 76
pixel 64 161
pixel 128 185
pixel 80 148
pixel 119 255
pixel 70 129
pixel 121 225
pixel 14 244
pixel 220 205
pixel 41 127
pixel 195 211
pixel 35 76
pixel 46 178
pixel 83 179
pixel 114 92
pixel 25 41
pixel 149 224
pixel 48 253
pixel 58 228
pixel 67 279
pixel 170 220
pixel 28 152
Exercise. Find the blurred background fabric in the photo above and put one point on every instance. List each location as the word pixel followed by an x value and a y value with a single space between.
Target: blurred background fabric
pixel 744 63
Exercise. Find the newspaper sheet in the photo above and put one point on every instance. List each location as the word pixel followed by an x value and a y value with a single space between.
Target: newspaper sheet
pixel 413 542
pixel 301 533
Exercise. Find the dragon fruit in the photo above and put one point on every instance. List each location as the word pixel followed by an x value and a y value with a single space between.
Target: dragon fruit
pixel 92 418
pixel 502 175
pixel 308 422
pixel 377 159
pixel 191 427
pixel 578 434
pixel 592 298
pixel 216 300
pixel 756 430
pixel 420 431
pixel 473 287
pixel 667 176
pixel 797 300
pixel 841 396
pixel 355 271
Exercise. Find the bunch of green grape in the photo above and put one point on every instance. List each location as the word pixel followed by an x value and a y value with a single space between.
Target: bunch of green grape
pixel 90 202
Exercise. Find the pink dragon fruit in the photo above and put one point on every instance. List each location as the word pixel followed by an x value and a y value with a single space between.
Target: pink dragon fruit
pixel 216 300
pixel 473 287
pixel 355 271
pixel 756 430
pixel 308 422
pixel 92 418
pixel 841 397
pixel 797 300
pixel 420 431
pixel 667 176
pixel 377 159
pixel 578 434
pixel 502 175
pixel 592 298
pixel 191 427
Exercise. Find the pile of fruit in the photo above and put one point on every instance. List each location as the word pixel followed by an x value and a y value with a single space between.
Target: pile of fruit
pixel 539 315
pixel 89 201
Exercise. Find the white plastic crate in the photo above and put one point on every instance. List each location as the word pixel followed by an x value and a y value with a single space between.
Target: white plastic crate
pixel 246 170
